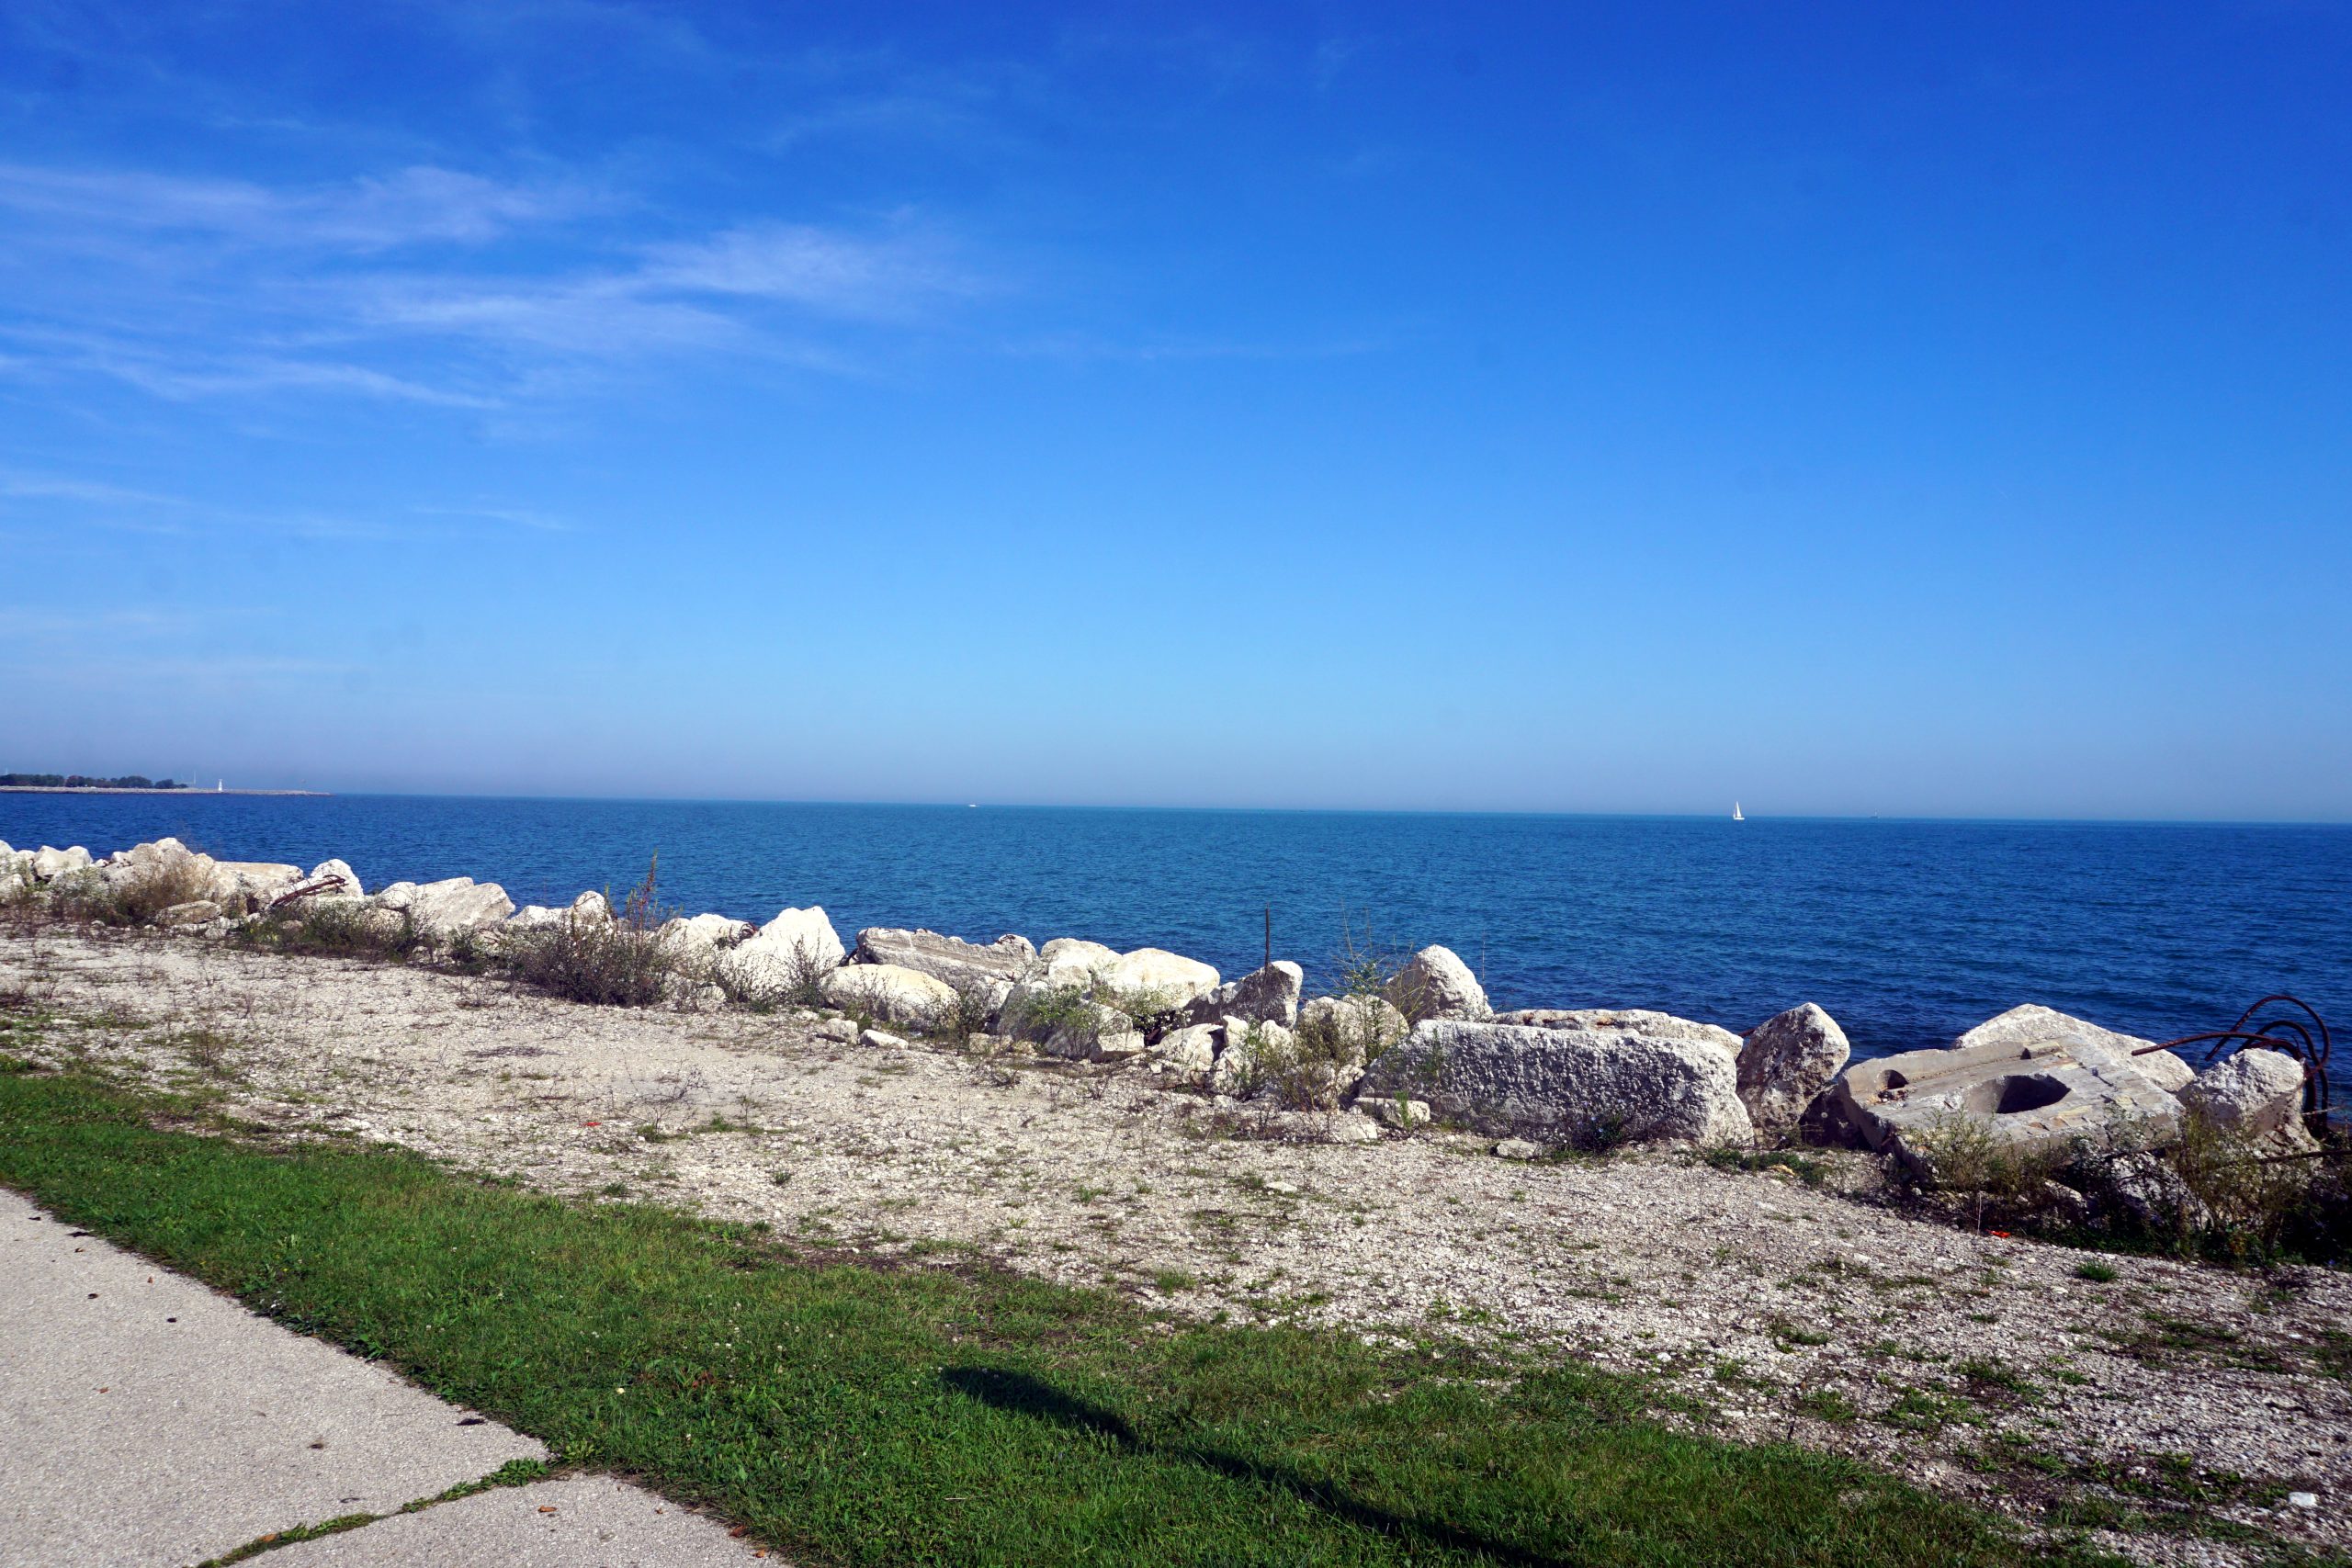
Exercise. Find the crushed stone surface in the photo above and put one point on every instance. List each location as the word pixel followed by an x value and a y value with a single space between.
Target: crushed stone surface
pixel 1978 1365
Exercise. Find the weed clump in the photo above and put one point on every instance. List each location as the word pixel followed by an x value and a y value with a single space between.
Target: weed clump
pixel 617 960
pixel 335 928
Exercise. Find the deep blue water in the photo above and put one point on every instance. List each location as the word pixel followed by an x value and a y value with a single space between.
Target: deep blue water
pixel 1907 931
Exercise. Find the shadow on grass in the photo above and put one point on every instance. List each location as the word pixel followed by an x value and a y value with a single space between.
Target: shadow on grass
pixel 1021 1395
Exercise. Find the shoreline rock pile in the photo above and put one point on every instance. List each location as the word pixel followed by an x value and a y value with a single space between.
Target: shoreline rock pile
pixel 1425 1044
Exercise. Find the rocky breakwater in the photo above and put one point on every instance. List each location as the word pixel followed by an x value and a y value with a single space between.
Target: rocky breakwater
pixel 2065 1117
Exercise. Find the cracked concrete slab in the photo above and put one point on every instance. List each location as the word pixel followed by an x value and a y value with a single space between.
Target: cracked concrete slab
pixel 149 1420
pixel 578 1522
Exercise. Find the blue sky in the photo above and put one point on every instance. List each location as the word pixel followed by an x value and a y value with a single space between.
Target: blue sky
pixel 1848 410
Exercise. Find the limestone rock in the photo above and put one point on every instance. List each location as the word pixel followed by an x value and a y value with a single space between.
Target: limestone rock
pixel 49 864
pixel 1154 975
pixel 1582 1087
pixel 1402 1114
pixel 904 997
pixel 790 952
pixel 439 910
pixel 882 1040
pixel 1434 983
pixel 196 912
pixel 243 886
pixel 1785 1062
pixel 1517 1148
pixel 701 939
pixel 1067 958
pixel 838 1029
pixel 1186 1056
pixel 1631 1020
pixel 2253 1093
pixel 591 908
pixel 1269 995
pixel 948 958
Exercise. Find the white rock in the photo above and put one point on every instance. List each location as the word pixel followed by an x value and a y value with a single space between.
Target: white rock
pixel 2252 1092
pixel 1435 982
pixel 591 908
pixel 196 912
pixel 882 1040
pixel 1270 995
pixel 904 997
pixel 1069 956
pixel 442 909
pixel 1517 1148
pixel 787 951
pixel 994 966
pixel 1577 1086
pixel 49 864
pixel 840 1029
pixel 326 868
pixel 1630 1021
pixel 1187 1055
pixel 703 937
pixel 1157 973
pixel 1787 1060
pixel 242 886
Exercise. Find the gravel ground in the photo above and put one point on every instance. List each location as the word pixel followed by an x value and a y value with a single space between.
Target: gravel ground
pixel 1982 1366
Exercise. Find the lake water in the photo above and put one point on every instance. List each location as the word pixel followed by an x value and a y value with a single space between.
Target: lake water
pixel 1908 932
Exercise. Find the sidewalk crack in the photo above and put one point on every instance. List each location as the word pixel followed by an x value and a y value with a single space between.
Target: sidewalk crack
pixel 514 1472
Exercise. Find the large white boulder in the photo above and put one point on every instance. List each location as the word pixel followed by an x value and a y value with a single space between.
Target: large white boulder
pixel 1787 1060
pixel 440 910
pixel 1073 956
pixel 2253 1093
pixel 325 869
pixel 1582 1087
pixel 1154 975
pixel 1435 982
pixel 961 963
pixel 1269 993
pixel 247 885
pixel 1185 1056
pixel 786 954
pixel 697 941
pixel 49 863
pixel 905 997
pixel 1625 1021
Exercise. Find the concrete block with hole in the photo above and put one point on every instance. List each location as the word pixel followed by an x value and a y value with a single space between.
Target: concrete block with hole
pixel 2045 1085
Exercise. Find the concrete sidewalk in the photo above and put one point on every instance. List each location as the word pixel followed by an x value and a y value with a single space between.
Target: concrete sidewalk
pixel 146 1420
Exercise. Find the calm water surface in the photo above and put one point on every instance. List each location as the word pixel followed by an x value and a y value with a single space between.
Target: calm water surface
pixel 1907 931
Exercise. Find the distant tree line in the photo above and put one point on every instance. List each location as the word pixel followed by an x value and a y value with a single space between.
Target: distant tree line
pixel 81 781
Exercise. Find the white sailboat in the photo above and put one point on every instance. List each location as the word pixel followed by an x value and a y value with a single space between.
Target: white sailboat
pixel 1734 813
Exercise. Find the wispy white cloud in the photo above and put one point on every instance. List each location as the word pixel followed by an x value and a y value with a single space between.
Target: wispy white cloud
pixel 419 205
pixel 193 288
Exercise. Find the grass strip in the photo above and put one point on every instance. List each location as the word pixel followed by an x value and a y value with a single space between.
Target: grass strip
pixel 867 1413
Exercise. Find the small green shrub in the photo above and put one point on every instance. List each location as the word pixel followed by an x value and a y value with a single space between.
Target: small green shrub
pixel 618 962
pixel 2097 1272
pixel 337 928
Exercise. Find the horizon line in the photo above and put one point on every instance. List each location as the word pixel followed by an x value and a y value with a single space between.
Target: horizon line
pixel 252 792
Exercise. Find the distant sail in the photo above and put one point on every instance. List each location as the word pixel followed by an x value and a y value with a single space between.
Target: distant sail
pixel 1734 813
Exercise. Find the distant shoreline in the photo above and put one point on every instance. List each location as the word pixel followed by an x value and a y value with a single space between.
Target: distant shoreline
pixel 106 789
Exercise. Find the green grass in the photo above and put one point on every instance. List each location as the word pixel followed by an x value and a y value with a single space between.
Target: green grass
pixel 919 1415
